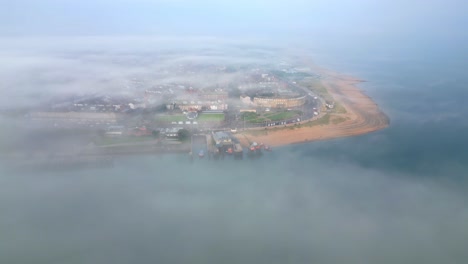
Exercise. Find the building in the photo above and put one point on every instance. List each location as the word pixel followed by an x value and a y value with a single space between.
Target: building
pixel 279 102
pixel 115 131
pixel 171 133
pixel 245 99
pixel 221 138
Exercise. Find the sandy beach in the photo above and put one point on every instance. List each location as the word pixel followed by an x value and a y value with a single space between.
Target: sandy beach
pixel 362 116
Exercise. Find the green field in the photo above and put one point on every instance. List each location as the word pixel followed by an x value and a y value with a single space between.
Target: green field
pixel 170 118
pixel 218 117
pixel 339 109
pixel 338 119
pixel 252 117
pixel 282 115
pixel 325 120
pixel 267 117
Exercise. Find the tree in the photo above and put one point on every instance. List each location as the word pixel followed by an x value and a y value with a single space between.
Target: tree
pixel 234 92
pixel 155 133
pixel 183 134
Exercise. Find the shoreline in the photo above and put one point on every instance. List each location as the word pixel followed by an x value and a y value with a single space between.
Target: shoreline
pixel 362 116
pixel 358 115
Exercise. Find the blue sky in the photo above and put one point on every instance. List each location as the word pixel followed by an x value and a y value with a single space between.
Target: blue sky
pixel 208 17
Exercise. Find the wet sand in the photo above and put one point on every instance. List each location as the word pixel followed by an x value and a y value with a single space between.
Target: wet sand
pixel 362 116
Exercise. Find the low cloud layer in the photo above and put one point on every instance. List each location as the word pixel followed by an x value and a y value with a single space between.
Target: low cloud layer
pixel 396 196
pixel 32 70
pixel 273 210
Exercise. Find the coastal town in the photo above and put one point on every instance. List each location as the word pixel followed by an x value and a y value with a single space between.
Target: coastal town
pixel 170 113
pixel 260 108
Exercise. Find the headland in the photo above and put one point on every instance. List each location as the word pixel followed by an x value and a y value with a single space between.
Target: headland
pixel 358 115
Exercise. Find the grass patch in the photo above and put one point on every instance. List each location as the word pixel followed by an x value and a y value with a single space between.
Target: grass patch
pixel 339 109
pixel 325 120
pixel 338 119
pixel 252 117
pixel 247 116
pixel 218 117
pixel 282 115
pixel 256 132
pixel 267 117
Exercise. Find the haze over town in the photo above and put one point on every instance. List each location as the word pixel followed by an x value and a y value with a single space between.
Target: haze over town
pixel 253 131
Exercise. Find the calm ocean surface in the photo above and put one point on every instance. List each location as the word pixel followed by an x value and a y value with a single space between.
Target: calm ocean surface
pixel 394 196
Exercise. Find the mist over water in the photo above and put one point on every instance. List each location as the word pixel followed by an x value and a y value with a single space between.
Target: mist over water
pixel 394 196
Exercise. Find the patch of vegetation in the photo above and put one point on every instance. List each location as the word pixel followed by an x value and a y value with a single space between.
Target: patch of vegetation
pixel 252 117
pixel 339 109
pixel 155 133
pixel 338 119
pixel 183 134
pixel 249 115
pixel 256 132
pixel 218 117
pixel 273 116
pixel 282 115
pixel 325 120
